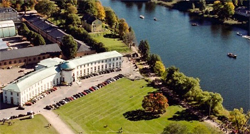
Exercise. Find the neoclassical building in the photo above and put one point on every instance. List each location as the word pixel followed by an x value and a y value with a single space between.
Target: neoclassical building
pixel 53 71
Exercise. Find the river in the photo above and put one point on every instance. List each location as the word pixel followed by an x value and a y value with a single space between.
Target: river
pixel 198 51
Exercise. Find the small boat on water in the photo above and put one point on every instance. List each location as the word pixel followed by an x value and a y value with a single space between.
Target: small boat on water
pixel 194 24
pixel 246 36
pixel 155 19
pixel 142 17
pixel 238 33
pixel 231 55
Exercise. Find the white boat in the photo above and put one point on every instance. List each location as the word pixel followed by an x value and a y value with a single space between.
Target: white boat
pixel 142 17
pixel 155 19
pixel 238 33
pixel 246 36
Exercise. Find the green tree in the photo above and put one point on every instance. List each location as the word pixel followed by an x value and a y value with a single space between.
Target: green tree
pixel 175 128
pixel 123 28
pixel 202 5
pixel 224 10
pixel 71 9
pixel 23 29
pixel 31 36
pixel 111 19
pixel 239 119
pixel 73 19
pixel 144 49
pixel 39 40
pixel 159 68
pixel 152 60
pixel 69 47
pixel 155 103
pixel 201 129
pixel 88 7
pixel 45 7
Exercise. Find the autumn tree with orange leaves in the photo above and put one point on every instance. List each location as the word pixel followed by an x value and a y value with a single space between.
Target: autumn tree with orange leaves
pixel 155 103
pixel 6 3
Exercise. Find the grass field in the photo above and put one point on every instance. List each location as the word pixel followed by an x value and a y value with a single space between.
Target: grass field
pixel 111 43
pixel 106 106
pixel 37 125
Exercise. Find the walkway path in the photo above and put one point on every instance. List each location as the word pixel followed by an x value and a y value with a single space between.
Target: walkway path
pixel 56 122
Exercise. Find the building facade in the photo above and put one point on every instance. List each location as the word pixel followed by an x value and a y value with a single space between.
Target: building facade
pixel 27 56
pixel 91 24
pixel 54 71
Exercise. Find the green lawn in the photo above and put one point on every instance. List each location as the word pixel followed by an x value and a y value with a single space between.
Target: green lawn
pixel 106 106
pixel 37 125
pixel 111 43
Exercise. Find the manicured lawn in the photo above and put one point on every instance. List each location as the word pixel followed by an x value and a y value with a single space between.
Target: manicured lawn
pixel 37 125
pixel 108 105
pixel 111 43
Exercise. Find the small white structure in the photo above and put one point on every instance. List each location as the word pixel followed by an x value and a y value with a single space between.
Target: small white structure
pixel 51 72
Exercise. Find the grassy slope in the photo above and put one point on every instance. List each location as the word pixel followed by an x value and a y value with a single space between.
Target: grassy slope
pixel 37 125
pixel 107 106
pixel 111 43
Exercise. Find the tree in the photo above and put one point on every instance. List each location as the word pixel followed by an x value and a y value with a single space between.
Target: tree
pixel 223 9
pixel 88 7
pixel 144 49
pixel 202 5
pixel 152 60
pixel 175 128
pixel 71 9
pixel 39 40
pixel 32 4
pixel 239 119
pixel 69 47
pixel 200 129
pixel 45 7
pixel 129 37
pixel 23 29
pixel 155 103
pixel 123 28
pixel 6 3
pixel 73 19
pixel 159 68
pixel 110 18
pixel 100 9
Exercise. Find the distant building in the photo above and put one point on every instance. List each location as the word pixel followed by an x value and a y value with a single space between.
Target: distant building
pixel 53 33
pixel 8 13
pixel 51 72
pixel 7 29
pixel 91 24
pixel 27 56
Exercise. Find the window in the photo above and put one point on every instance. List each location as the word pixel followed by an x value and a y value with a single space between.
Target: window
pixel 39 58
pixel 17 94
pixel 10 62
pixel 24 60
pixel 34 58
pixel 29 59
pixel 0 64
pixel 11 93
pixel 20 61
pixel 5 92
pixel 5 63
pixel 43 57
pixel 14 62
pixel 116 58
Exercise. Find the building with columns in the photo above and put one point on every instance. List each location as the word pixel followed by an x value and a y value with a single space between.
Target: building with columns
pixel 54 71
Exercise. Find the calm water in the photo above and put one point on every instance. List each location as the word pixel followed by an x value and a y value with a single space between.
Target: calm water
pixel 198 51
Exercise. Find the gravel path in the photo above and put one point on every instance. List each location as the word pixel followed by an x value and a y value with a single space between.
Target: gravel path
pixel 56 122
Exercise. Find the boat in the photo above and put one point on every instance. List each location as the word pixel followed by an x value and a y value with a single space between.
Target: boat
pixel 194 24
pixel 155 19
pixel 246 36
pixel 142 17
pixel 238 33
pixel 231 55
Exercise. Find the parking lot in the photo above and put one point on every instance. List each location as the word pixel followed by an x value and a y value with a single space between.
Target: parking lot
pixel 128 69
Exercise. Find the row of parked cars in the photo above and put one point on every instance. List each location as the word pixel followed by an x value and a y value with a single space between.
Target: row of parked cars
pixel 17 116
pixel 42 95
pixel 101 72
pixel 83 93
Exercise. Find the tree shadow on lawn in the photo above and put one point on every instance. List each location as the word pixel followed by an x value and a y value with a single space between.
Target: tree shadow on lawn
pixel 186 115
pixel 110 36
pixel 137 115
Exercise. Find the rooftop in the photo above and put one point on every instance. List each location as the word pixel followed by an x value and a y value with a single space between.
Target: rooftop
pixel 30 51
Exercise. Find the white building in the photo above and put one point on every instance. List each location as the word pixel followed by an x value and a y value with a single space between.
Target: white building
pixel 51 72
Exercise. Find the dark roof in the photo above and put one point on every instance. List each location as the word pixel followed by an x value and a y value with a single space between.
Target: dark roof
pixel 30 51
pixel 52 30
pixel 89 18
pixel 7 9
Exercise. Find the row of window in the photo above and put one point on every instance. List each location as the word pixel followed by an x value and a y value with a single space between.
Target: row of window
pixel 24 60
pixel 98 62
pixel 11 93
